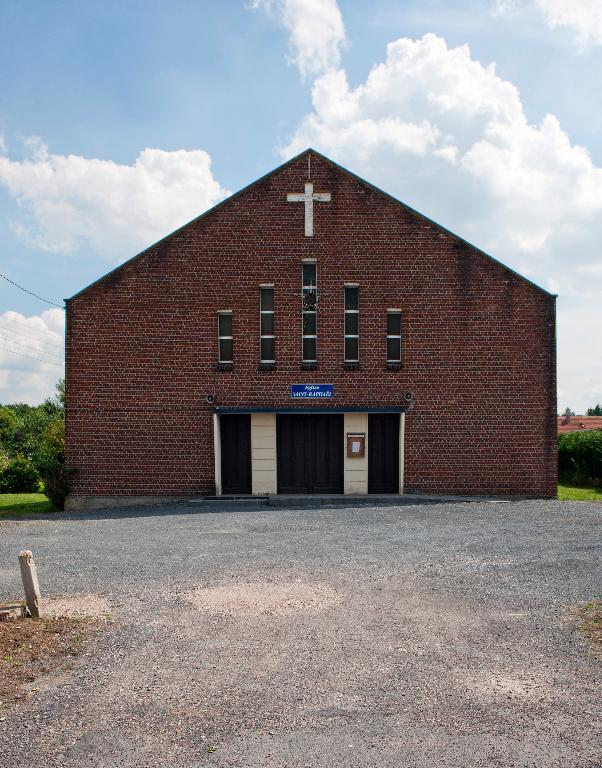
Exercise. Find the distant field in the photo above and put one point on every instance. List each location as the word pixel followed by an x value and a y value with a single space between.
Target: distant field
pixel 12 504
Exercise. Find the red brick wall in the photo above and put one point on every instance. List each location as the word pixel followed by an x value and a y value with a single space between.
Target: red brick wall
pixel 479 344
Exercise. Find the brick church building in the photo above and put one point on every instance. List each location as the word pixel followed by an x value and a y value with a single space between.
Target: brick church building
pixel 310 335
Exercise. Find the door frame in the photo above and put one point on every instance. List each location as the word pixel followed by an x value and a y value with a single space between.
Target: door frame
pixel 217 451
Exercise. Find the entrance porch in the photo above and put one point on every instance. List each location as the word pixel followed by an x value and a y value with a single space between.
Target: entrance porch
pixel 323 451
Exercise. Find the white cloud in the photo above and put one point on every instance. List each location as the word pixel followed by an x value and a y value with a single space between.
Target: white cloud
pixel 70 201
pixel 583 18
pixel 316 29
pixel 579 357
pixel 31 355
pixel 450 137
pixel 506 7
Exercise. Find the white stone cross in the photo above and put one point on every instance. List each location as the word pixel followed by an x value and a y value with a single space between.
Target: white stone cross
pixel 308 198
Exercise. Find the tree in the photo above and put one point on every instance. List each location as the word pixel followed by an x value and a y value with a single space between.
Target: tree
pixel 56 405
pixel 9 424
pixel 23 427
pixel 32 441
pixel 595 411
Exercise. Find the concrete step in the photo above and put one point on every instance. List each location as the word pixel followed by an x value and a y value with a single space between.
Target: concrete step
pixel 339 499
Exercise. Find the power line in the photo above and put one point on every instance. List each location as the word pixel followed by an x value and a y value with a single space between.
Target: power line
pixel 35 295
pixel 31 357
pixel 52 355
pixel 19 332
pixel 47 355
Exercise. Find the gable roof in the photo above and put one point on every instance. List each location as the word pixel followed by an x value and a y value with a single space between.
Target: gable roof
pixel 341 169
pixel 579 423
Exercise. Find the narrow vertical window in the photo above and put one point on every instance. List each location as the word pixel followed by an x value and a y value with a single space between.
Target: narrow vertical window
pixel 352 324
pixel 266 324
pixel 224 337
pixel 393 336
pixel 309 306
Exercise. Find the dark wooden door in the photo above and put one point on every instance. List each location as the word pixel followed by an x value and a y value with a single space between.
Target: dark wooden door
pixel 293 454
pixel 235 437
pixel 383 453
pixel 310 453
pixel 327 454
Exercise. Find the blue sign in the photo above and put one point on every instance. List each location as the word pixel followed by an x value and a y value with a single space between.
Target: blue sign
pixel 312 390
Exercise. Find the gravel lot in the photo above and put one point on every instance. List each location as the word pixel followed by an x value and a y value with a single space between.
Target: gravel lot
pixel 419 635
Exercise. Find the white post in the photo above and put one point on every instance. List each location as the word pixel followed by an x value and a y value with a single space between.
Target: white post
pixel 30 582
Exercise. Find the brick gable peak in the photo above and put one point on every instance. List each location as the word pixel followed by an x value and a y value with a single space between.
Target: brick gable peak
pixel 309 152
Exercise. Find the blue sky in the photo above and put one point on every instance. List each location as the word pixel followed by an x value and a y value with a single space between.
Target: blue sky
pixel 120 121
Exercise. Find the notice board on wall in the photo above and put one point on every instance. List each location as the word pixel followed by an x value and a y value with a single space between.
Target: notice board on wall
pixel 356 445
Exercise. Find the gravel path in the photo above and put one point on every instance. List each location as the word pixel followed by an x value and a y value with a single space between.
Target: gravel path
pixel 421 635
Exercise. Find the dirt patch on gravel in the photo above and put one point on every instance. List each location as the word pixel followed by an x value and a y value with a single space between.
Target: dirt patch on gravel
pixel 32 648
pixel 80 605
pixel 258 598
pixel 491 686
pixel 588 620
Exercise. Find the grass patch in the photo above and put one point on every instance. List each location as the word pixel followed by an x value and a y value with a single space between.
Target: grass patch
pixel 17 504
pixel 31 648
pixel 574 493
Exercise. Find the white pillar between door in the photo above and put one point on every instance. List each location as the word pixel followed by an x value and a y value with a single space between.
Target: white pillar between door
pixel 263 453
pixel 355 469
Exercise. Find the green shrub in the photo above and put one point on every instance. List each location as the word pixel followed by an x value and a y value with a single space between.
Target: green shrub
pixel 56 483
pixel 19 476
pixel 52 462
pixel 580 457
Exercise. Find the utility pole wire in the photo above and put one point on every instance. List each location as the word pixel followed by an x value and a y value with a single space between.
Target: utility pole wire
pixel 35 295
pixel 31 357
pixel 30 337
pixel 54 356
